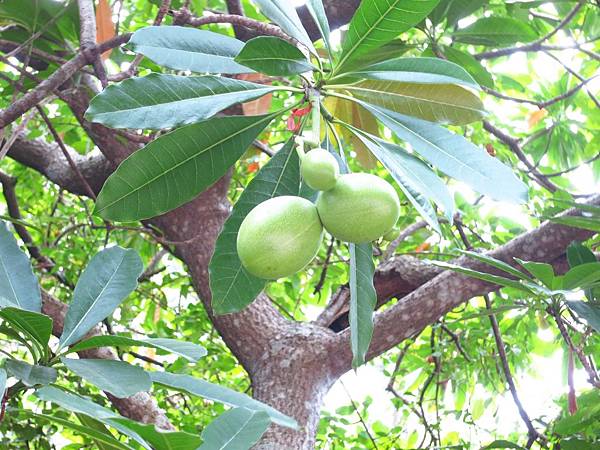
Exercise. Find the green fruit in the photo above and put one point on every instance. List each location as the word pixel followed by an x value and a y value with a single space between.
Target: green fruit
pixel 320 169
pixel 360 208
pixel 279 237
pixel 392 234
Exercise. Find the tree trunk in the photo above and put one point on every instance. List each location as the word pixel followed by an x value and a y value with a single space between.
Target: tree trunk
pixel 293 375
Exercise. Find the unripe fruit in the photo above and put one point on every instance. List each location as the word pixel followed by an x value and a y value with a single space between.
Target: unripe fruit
pixel 279 237
pixel 319 169
pixel 360 208
pixel 392 234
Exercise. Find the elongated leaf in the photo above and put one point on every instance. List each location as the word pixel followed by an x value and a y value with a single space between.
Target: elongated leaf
pixel 108 279
pixel 414 177
pixel 30 374
pixel 441 103
pixel 317 11
pixel 18 285
pixel 236 429
pixel 578 254
pixel 283 13
pixel 209 391
pixel 184 48
pixel 232 287
pixel 542 271
pixel 3 377
pixel 273 56
pixel 160 439
pixel 582 275
pixel 417 70
pixel 104 440
pixel 176 167
pixel 470 64
pixel 160 101
pixel 503 444
pixel 587 223
pixel 83 405
pixel 496 31
pixel 377 22
pixel 37 326
pixel 117 377
pixel 453 10
pixel 497 264
pixel 455 156
pixel 98 427
pixel 495 279
pixel 363 299
pixel 590 312
pixel 191 352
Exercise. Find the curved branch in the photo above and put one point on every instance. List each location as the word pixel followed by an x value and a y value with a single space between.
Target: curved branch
pixel 429 302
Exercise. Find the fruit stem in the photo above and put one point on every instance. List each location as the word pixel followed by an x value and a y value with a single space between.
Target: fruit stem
pixel 314 98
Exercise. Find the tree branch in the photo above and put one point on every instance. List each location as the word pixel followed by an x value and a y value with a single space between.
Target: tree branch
pixel 427 303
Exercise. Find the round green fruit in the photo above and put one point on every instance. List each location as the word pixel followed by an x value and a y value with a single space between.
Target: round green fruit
pixel 279 237
pixel 320 169
pixel 360 208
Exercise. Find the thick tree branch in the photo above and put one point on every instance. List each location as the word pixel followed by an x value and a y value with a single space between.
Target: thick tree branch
pixel 435 298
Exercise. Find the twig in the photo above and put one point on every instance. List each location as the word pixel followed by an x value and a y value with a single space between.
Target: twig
pixel 593 377
pixel 146 358
pixel 535 45
pixel 66 154
pixel 263 147
pixel 531 431
pixel 323 275
pixel 456 341
pixel 360 417
pixel 514 145
pixel 87 38
pixel 408 231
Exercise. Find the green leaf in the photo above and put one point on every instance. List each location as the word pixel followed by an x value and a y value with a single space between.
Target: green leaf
pixel 209 391
pixel 146 435
pixel 176 167
pixel 586 223
pixel 503 444
pixel 160 101
pixel 18 285
pixel 417 70
pixel 582 276
pixel 453 10
pixel 419 183
pixel 583 418
pixel 236 429
pixel 273 56
pixel 496 31
pixel 99 429
pixel 184 48
pixel 283 13
pixel 441 103
pixel 232 287
pixel 37 326
pixel 191 352
pixel 83 405
pixel 578 254
pixel 470 64
pixel 317 11
pixel 3 377
pixel 377 22
pixel 497 264
pixel 104 440
pixel 590 312
pixel 119 378
pixel 542 271
pixel 29 374
pixel 455 156
pixel 578 444
pixel 108 279
pixel 160 439
pixel 495 279
pixel 363 299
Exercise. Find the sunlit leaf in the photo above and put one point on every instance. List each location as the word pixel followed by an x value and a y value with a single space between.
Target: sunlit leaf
pixel 236 429
pixel 273 56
